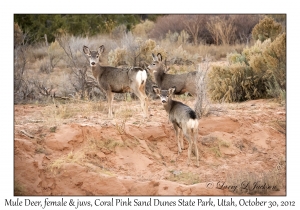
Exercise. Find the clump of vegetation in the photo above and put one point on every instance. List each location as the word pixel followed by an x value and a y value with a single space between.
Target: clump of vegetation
pixel 232 83
pixel 275 58
pixel 19 189
pixel 143 28
pixel 187 178
pixel 44 43
pixel 55 165
pixel 121 127
pixel 259 71
pixel 109 144
pixel 214 144
pixel 133 53
pixel 267 28
pixel 117 57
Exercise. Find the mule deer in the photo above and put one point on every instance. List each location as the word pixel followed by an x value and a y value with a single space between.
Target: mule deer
pixel 183 82
pixel 183 119
pixel 117 80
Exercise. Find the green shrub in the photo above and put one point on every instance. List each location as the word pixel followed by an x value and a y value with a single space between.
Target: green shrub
pixel 183 37
pixel 142 29
pixel 257 48
pixel 235 82
pixel 275 58
pixel 266 28
pixel 236 58
pixel 117 56
pixel 134 51
pixel 179 38
pixel 259 71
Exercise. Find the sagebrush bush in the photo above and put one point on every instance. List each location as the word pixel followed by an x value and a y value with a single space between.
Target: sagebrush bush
pixel 55 54
pixel 236 58
pixel 266 28
pixel 182 57
pixel 183 37
pixel 134 53
pixel 259 71
pixel 172 37
pixel 275 58
pixel 117 57
pixel 142 29
pixel 256 49
pixel 234 82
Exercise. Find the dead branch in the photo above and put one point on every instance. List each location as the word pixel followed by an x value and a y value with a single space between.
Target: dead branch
pixel 27 134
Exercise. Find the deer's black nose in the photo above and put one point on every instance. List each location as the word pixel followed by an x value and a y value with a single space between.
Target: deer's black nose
pixel 93 63
pixel 164 101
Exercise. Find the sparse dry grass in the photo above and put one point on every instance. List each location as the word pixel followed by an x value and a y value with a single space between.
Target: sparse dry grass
pixel 121 127
pixel 71 157
pixel 88 150
pixel 187 178
pixel 56 114
pixel 255 184
pixel 19 189
pixel 40 150
pixel 259 183
pixel 279 125
pixel 213 51
pixel 214 144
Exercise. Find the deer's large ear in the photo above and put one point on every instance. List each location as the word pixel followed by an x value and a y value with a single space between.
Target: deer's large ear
pixel 159 56
pixel 156 89
pixel 172 90
pixel 86 50
pixel 154 57
pixel 101 49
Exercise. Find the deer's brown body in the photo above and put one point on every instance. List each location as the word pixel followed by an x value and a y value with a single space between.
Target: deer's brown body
pixel 182 82
pixel 118 80
pixel 183 118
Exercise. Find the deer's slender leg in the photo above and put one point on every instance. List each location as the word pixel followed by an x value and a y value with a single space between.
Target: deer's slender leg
pixel 139 91
pixel 195 132
pixel 110 97
pixel 181 139
pixel 189 149
pixel 177 131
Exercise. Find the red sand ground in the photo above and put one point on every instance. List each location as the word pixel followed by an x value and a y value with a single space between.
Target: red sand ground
pixel 88 154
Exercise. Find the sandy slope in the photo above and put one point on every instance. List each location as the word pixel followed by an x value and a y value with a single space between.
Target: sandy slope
pixel 88 154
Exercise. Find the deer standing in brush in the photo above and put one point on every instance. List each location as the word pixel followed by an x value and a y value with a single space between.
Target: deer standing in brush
pixel 183 118
pixel 117 80
pixel 183 82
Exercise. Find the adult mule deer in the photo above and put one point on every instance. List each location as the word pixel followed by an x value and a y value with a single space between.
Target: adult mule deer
pixel 117 80
pixel 182 82
pixel 183 118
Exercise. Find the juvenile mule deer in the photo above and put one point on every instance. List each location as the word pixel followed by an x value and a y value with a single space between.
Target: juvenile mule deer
pixel 182 82
pixel 183 119
pixel 116 80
